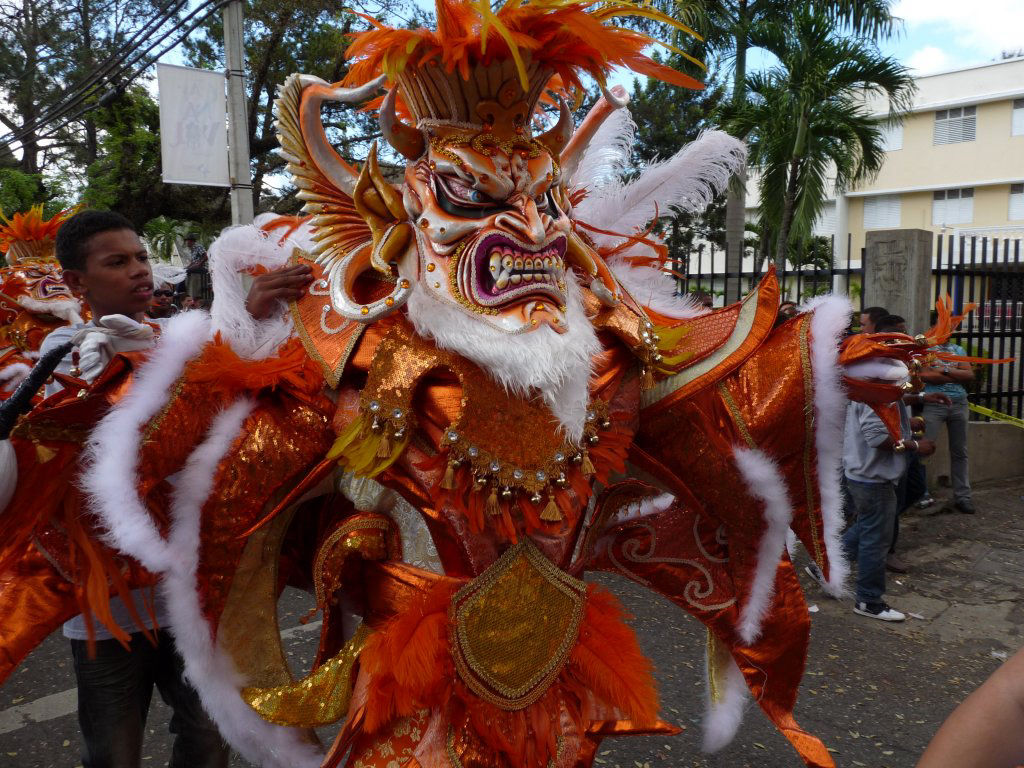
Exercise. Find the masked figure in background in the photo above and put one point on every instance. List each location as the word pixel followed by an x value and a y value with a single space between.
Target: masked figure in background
pixel 33 297
pixel 488 390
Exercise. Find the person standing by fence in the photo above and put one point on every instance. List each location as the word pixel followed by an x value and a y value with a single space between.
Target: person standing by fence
pixel 949 379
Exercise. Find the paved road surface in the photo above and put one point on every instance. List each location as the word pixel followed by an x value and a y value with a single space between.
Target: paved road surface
pixel 874 692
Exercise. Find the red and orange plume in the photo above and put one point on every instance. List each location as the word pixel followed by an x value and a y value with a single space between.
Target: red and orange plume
pixel 569 37
pixel 29 234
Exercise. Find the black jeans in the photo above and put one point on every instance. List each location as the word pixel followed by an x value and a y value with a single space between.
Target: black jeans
pixel 114 691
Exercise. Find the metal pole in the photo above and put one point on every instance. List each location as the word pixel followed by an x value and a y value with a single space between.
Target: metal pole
pixel 238 123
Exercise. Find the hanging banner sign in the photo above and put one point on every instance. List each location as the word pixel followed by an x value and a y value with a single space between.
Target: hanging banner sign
pixel 193 126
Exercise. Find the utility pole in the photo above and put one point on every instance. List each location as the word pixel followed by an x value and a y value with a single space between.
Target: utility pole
pixel 238 123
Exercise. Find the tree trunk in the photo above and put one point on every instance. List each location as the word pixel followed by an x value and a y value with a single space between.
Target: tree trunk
pixel 792 186
pixel 736 200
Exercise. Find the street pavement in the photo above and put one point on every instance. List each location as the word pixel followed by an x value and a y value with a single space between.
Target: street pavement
pixel 874 692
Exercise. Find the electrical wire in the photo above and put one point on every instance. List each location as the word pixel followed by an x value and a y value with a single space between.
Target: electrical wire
pixel 93 81
pixel 124 79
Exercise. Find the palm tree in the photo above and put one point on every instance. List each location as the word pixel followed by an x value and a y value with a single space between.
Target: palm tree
pixel 810 114
pixel 162 234
pixel 732 27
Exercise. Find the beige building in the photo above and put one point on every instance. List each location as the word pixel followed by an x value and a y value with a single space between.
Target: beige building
pixel 955 165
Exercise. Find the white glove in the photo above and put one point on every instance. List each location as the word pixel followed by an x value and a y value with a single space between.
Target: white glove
pixel 111 334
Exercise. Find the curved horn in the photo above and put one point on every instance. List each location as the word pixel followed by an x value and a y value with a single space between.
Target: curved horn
pixel 556 138
pixel 610 100
pixel 314 92
pixel 406 139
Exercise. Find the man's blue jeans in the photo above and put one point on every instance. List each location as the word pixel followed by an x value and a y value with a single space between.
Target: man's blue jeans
pixel 867 540
pixel 114 691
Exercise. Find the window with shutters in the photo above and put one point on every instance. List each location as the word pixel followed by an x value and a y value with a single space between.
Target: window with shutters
pixel 952 206
pixel 955 125
pixel 1016 202
pixel 882 212
pixel 892 137
pixel 1017 127
pixel 825 225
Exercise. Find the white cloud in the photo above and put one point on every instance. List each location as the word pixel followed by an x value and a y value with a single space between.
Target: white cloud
pixel 929 59
pixel 991 25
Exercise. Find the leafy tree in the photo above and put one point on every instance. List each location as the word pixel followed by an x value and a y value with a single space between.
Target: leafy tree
pixel 810 112
pixel 18 190
pixel 282 37
pixel 732 28
pixel 126 177
pixel 163 235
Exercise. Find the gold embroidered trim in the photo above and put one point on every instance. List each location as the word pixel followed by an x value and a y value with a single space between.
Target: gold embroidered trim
pixel 805 365
pixel 737 417
pixel 325 550
pixel 456 761
pixel 156 421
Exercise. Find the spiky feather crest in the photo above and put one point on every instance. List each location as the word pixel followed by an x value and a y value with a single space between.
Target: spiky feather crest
pixel 567 37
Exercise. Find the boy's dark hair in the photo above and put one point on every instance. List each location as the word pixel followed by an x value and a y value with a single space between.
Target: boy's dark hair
pixel 74 235
pixel 889 324
pixel 875 313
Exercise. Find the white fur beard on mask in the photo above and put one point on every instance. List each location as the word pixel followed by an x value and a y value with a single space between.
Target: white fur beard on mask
pixel 556 365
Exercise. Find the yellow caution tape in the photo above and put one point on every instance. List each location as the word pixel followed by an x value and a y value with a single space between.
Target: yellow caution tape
pixel 996 415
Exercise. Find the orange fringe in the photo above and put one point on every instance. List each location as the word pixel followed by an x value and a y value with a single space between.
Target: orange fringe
pixel 409 661
pixel 569 37
pixel 223 370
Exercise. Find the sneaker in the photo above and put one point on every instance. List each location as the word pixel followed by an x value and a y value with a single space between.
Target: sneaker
pixel 894 564
pixel 926 501
pixel 964 508
pixel 879 611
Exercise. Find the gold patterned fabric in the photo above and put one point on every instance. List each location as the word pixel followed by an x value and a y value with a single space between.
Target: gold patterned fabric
pixel 514 626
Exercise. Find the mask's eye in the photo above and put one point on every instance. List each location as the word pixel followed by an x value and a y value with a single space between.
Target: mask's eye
pixel 459 199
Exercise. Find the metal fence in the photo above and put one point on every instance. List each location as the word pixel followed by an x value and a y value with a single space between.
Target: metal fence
pixel 983 270
pixel 990 273
pixel 705 269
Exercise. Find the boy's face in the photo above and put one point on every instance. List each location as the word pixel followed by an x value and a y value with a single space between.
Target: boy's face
pixel 117 279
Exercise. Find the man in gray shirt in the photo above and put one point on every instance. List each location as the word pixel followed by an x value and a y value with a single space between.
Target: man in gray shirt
pixel 873 463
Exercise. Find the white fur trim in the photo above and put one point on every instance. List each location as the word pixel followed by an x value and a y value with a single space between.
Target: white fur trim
pixel 557 365
pixel 828 323
pixel 208 667
pixel 68 310
pixel 723 718
pixel 110 473
pixel 12 375
pixel 765 483
pixel 236 249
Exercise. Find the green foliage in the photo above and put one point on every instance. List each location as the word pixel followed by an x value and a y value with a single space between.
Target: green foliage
pixel 807 116
pixel 163 234
pixel 18 191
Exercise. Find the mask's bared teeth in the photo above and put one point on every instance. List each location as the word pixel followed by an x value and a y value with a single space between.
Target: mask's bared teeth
pixel 516 278
pixel 502 281
pixel 518 262
pixel 495 263
pixel 506 261
pixel 527 277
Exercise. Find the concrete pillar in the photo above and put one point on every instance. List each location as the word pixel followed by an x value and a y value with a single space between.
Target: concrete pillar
pixel 897 274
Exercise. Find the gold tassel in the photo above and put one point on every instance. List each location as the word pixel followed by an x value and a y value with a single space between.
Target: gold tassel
pixel 384 447
pixel 647 380
pixel 491 506
pixel 588 465
pixel 448 481
pixel 551 513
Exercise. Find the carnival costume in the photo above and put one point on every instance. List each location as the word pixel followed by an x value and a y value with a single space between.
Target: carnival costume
pixel 33 298
pixel 488 391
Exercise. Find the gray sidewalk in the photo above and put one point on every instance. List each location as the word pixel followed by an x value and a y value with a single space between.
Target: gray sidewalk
pixel 873 692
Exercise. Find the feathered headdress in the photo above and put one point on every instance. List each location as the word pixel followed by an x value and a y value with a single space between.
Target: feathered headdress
pixel 445 73
pixel 28 236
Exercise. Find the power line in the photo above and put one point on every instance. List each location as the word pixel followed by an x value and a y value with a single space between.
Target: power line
pixel 94 80
pixel 217 5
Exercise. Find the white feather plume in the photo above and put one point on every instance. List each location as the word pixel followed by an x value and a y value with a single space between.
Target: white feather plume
pixel 689 180
pixel 608 154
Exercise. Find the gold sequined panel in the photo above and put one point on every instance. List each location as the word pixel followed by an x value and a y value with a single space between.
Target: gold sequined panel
pixel 514 626
pixel 391 747
pixel 279 440
pixel 321 698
